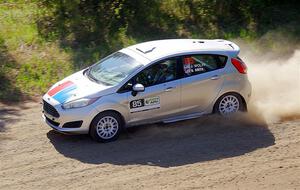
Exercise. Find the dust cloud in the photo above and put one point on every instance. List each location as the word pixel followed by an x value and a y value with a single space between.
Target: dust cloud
pixel 275 80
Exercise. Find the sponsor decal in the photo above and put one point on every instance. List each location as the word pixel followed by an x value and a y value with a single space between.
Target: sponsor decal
pixel 62 92
pixel 144 104
pixel 191 66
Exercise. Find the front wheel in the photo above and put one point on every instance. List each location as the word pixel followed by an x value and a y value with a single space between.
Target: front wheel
pixel 106 127
pixel 228 104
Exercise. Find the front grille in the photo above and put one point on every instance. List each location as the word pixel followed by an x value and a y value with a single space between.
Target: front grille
pixel 52 122
pixel 73 124
pixel 50 109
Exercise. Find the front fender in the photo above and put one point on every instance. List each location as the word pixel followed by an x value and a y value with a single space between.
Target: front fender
pixel 115 102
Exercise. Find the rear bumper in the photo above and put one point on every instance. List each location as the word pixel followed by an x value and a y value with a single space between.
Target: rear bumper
pixel 246 91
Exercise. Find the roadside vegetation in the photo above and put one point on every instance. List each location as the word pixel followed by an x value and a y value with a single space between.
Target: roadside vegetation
pixel 43 41
pixel 28 63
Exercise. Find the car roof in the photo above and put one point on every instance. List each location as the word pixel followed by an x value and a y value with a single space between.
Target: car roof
pixel 154 50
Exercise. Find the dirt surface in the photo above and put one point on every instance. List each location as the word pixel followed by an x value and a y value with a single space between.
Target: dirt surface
pixel 206 153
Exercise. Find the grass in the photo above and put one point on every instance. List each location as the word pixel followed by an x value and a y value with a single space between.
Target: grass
pixel 33 59
pixel 29 64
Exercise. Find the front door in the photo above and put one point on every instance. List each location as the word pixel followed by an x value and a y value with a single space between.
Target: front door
pixel 161 97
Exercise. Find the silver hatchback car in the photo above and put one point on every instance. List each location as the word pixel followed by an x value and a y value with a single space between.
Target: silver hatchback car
pixel 156 81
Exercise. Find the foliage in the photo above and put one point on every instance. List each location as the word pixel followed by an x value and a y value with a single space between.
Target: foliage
pixel 42 41
pixel 115 22
pixel 28 64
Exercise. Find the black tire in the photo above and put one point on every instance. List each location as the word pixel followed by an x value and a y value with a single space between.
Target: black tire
pixel 241 104
pixel 96 130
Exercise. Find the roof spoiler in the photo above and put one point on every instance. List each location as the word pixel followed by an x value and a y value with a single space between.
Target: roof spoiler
pixel 235 48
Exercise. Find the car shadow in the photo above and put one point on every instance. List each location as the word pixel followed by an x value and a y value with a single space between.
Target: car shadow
pixel 168 145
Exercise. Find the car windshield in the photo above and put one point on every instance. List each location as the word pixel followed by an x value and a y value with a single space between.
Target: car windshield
pixel 113 69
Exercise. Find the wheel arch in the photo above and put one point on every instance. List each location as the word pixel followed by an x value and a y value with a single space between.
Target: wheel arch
pixel 107 111
pixel 245 107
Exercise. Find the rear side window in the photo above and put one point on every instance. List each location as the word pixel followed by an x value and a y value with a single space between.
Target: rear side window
pixel 202 63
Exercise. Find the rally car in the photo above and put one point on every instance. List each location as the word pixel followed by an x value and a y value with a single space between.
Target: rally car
pixel 156 81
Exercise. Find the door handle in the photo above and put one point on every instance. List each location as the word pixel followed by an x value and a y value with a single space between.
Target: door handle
pixel 215 77
pixel 169 89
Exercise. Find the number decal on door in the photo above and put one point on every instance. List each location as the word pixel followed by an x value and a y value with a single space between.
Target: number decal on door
pixel 144 104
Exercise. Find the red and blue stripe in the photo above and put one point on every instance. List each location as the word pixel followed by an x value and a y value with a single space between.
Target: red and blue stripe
pixel 63 91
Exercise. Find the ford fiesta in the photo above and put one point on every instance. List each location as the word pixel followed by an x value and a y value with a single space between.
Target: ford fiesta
pixel 157 81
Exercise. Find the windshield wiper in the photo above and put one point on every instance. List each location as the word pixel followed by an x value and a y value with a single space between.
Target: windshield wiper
pixel 91 77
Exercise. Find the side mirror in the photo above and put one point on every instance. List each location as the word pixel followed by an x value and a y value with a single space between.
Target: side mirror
pixel 138 88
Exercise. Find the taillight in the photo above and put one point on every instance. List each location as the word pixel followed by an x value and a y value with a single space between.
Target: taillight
pixel 239 65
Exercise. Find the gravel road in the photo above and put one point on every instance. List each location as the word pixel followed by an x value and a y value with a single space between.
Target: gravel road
pixel 206 153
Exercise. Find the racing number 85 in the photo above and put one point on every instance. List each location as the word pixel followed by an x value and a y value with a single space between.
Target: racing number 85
pixel 137 103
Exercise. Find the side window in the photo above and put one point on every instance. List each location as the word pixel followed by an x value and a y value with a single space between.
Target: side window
pixel 197 64
pixel 127 87
pixel 158 73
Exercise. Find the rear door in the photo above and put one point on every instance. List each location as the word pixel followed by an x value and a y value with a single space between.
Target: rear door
pixel 202 81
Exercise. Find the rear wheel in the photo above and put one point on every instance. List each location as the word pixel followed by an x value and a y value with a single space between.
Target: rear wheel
pixel 228 104
pixel 106 127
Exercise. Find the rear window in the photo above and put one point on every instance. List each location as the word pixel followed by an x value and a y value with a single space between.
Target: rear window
pixel 197 64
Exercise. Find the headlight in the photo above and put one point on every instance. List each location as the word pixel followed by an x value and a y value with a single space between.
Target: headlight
pixel 79 103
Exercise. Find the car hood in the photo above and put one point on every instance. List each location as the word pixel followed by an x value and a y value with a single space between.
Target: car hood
pixel 74 87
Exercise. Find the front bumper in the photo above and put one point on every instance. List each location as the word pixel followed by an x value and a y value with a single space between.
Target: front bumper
pixel 85 115
pixel 58 129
